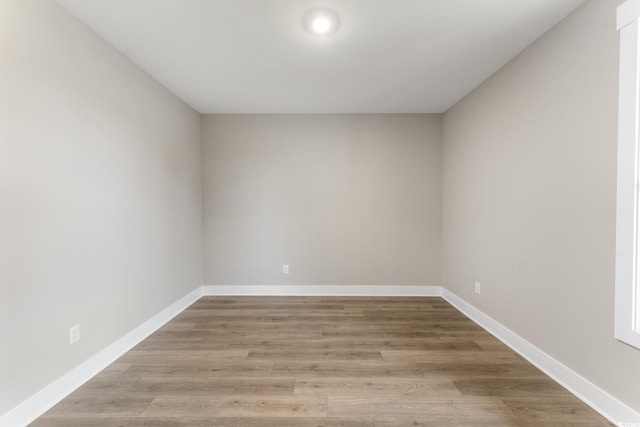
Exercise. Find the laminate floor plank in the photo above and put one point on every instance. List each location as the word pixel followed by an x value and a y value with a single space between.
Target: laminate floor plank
pixel 382 335
pixel 545 410
pixel 193 345
pixel 216 368
pixel 510 387
pixel 321 362
pixel 408 421
pixel 456 370
pixel 273 422
pixel 221 386
pixel 253 336
pixel 365 368
pixel 237 406
pixel 437 411
pixel 83 405
pixel 167 356
pixel 362 344
pixel 294 355
pixel 107 422
pixel 444 356
pixel 376 387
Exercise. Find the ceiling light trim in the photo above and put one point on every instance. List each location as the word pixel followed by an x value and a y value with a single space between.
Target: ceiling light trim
pixel 321 22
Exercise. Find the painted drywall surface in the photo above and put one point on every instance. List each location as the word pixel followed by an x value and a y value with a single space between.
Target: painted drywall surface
pixel 100 196
pixel 529 198
pixel 341 199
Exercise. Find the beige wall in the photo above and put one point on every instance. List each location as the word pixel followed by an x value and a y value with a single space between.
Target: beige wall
pixel 529 185
pixel 342 199
pixel 100 196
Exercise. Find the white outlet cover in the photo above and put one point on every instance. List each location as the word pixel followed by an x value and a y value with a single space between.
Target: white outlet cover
pixel 477 287
pixel 74 334
pixel 285 269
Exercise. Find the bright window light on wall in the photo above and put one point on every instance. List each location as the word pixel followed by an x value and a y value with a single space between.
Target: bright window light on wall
pixel 627 300
pixel 321 22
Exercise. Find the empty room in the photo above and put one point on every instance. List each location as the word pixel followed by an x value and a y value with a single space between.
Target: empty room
pixel 319 213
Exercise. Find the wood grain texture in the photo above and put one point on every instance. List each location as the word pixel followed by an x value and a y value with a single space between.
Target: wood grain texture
pixel 437 411
pixel 224 386
pixel 376 387
pixel 237 406
pixel 320 362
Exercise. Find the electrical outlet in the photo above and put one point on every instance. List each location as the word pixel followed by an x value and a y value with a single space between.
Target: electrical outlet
pixel 74 334
pixel 285 269
pixel 478 288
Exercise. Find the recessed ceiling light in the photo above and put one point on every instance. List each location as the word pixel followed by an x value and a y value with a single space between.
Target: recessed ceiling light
pixel 321 22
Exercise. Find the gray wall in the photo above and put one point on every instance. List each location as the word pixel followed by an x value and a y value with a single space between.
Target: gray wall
pixel 100 196
pixel 529 186
pixel 342 199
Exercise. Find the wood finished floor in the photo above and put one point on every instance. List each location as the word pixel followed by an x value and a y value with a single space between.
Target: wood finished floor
pixel 320 362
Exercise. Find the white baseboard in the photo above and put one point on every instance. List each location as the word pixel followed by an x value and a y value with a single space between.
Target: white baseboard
pixel 46 398
pixel 323 290
pixel 607 405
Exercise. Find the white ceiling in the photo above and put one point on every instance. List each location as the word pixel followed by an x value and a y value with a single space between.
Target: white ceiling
pixel 253 56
